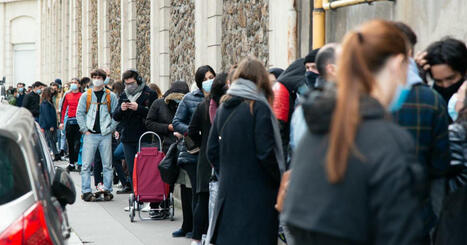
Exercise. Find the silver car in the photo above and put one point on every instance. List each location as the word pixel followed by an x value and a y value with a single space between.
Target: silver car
pixel 33 194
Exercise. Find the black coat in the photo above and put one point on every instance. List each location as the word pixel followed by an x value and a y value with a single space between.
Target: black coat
pixel 458 146
pixel 133 122
pixel 198 130
pixel 160 115
pixel 243 155
pixel 377 202
pixel 32 103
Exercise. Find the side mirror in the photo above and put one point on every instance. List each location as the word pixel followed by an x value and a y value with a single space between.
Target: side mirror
pixel 63 188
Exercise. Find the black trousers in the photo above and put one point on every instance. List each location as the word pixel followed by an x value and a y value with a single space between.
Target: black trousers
pixel 73 137
pixel 299 236
pixel 201 215
pixel 187 208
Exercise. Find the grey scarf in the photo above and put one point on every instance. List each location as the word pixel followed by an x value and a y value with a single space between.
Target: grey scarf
pixel 135 94
pixel 247 89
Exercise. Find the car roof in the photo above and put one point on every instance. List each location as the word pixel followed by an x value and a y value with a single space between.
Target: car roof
pixel 16 122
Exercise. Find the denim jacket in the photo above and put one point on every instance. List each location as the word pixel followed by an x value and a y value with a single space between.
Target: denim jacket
pixel 86 120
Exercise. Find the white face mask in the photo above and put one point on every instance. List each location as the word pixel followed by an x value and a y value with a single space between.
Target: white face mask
pixel 97 82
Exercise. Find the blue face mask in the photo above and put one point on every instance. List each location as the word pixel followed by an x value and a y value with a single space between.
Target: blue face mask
pixel 107 80
pixel 402 92
pixel 21 90
pixel 452 108
pixel 207 85
pixel 177 101
pixel 74 86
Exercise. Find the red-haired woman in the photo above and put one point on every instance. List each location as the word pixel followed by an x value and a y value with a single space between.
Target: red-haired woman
pixel 354 175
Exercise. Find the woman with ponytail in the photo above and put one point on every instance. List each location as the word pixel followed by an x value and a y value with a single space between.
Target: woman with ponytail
pixel 354 175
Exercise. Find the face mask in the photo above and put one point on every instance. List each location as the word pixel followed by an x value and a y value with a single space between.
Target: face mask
pixel 38 91
pixel 177 101
pixel 399 98
pixel 452 107
pixel 74 86
pixel 131 88
pixel 207 85
pixel 21 90
pixel 97 82
pixel 446 93
pixel 107 80
pixel 310 78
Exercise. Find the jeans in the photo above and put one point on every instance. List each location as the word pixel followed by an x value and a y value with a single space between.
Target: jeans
pixel 91 143
pixel 130 150
pixel 97 168
pixel 118 156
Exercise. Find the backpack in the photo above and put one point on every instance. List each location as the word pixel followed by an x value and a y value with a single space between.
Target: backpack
pixel 89 98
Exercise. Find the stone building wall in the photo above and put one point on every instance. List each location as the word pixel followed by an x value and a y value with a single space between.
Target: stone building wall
pixel 93 23
pixel 182 40
pixel 79 8
pixel 114 18
pixel 245 26
pixel 143 35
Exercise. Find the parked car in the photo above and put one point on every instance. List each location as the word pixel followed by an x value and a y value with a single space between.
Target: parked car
pixel 33 194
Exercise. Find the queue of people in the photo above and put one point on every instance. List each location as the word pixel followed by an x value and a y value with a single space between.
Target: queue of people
pixel 359 142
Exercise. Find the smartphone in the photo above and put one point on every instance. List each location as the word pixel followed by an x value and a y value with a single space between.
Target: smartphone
pixel 125 101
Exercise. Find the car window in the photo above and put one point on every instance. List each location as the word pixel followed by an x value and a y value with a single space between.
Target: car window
pixel 14 180
pixel 41 156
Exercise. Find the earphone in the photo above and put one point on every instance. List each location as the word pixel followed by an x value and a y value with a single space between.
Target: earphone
pixel 139 79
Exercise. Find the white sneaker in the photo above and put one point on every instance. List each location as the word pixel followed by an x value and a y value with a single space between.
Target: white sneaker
pixel 195 243
pixel 100 187
pixel 126 209
pixel 145 207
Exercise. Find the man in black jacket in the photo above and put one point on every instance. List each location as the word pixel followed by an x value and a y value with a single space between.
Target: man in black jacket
pixel 32 100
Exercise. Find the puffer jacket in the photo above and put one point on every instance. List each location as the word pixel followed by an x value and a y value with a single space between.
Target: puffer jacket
pixel 458 146
pixel 185 110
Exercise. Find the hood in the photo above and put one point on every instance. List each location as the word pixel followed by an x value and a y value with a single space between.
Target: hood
pixel 173 96
pixel 318 109
pixel 177 87
pixel 294 76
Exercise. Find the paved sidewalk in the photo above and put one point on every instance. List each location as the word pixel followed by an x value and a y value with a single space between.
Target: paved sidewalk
pixel 107 223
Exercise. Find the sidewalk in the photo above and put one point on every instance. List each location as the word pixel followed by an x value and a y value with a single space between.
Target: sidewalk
pixel 107 223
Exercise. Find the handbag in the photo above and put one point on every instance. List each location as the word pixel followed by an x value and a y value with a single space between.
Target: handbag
pixel 168 167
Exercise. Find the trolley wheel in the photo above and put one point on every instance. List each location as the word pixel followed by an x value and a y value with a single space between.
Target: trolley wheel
pixel 172 208
pixel 131 211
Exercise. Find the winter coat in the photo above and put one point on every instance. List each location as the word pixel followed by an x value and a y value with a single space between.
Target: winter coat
pixel 458 145
pixel 47 116
pixel 285 95
pixel 185 111
pixel 160 115
pixel 31 102
pixel 87 119
pixel 198 131
pixel 133 122
pixel 242 152
pixel 378 201
pixel 19 100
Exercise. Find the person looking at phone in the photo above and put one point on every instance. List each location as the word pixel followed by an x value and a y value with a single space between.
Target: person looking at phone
pixel 132 110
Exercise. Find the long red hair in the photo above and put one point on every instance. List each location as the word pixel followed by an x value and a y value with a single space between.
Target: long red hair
pixel 364 53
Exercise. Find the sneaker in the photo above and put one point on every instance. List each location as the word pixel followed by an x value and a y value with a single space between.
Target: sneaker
pixel 126 189
pixel 179 233
pixel 57 158
pixel 100 188
pixel 70 168
pixel 88 197
pixel 195 242
pixel 145 207
pixel 189 235
pixel 155 214
pixel 108 196
pixel 79 168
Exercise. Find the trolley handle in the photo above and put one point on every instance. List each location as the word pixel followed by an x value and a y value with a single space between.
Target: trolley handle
pixel 146 133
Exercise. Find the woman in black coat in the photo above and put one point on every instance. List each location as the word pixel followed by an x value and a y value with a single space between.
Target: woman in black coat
pixel 244 147
pixel 198 131
pixel 355 178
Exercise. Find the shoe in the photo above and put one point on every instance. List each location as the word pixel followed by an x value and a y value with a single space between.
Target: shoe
pixel 145 207
pixel 108 196
pixel 88 197
pixel 79 168
pixel 126 189
pixel 100 188
pixel 70 168
pixel 195 242
pixel 179 233
pixel 189 235
pixel 57 158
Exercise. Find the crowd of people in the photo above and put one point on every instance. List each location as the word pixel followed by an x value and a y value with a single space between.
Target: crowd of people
pixel 360 142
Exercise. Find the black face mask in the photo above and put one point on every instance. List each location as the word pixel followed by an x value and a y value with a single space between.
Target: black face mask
pixel 310 79
pixel 446 93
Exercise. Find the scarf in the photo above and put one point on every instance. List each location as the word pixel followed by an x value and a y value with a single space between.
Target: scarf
pixel 133 97
pixel 247 89
pixel 212 110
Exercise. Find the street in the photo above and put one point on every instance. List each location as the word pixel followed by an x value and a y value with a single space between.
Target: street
pixel 107 223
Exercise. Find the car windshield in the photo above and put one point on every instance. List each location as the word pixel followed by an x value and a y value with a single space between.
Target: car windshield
pixel 14 181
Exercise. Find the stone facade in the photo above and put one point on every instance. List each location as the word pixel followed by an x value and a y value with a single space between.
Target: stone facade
pixel 79 8
pixel 182 40
pixel 113 13
pixel 244 31
pixel 93 23
pixel 143 35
